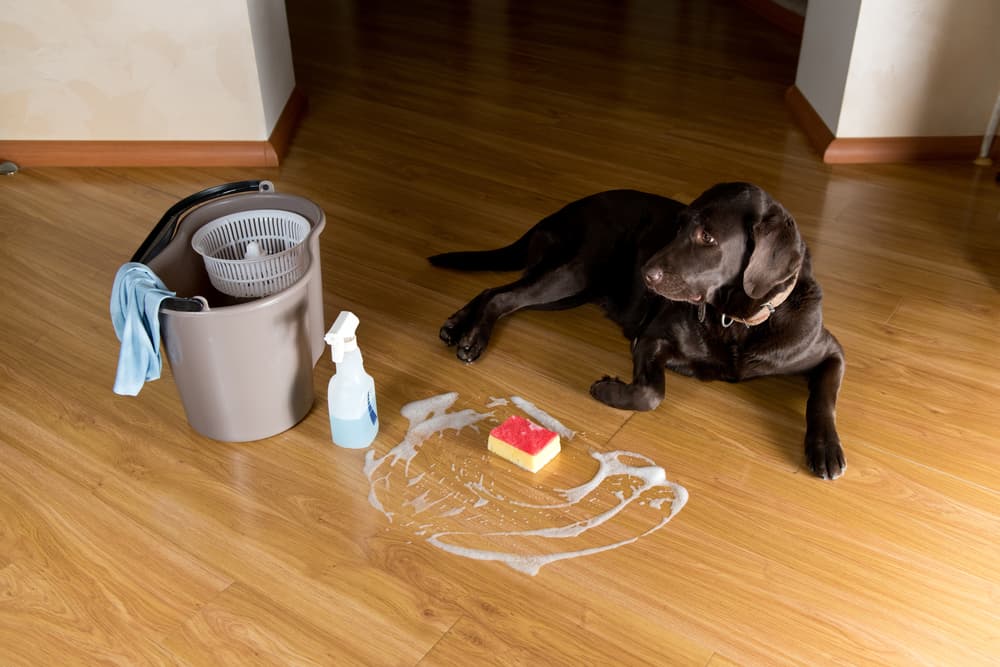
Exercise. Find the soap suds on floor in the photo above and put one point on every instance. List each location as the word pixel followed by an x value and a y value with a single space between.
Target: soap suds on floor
pixel 548 532
pixel 543 418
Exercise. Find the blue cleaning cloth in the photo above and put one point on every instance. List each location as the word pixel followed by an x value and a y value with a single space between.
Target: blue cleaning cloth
pixel 135 306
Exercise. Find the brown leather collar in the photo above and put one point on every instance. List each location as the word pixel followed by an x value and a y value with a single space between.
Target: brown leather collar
pixel 765 311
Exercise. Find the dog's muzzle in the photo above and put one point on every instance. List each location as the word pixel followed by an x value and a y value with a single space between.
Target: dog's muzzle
pixel 669 285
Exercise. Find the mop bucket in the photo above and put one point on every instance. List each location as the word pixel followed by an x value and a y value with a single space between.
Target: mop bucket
pixel 243 368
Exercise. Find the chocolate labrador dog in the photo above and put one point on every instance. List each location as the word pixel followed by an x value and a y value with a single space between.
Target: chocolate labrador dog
pixel 718 290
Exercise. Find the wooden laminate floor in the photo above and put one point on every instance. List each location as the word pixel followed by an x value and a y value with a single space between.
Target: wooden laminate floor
pixel 127 538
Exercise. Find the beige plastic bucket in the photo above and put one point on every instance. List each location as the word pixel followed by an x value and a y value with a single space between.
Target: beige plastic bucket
pixel 243 370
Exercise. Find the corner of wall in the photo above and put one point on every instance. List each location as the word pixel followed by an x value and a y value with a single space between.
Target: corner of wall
pixel 825 56
pixel 273 54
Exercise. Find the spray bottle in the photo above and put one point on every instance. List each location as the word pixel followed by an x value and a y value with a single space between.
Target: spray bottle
pixel 351 393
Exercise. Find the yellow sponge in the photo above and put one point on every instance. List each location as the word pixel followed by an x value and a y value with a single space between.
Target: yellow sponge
pixel 524 443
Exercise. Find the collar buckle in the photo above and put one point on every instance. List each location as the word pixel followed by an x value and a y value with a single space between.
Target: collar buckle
pixel 766 310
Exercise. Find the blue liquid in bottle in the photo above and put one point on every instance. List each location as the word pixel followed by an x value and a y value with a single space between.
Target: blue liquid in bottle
pixel 356 433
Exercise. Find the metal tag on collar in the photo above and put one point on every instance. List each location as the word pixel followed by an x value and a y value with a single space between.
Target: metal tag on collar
pixel 727 321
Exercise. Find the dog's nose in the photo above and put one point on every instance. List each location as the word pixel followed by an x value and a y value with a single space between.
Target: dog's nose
pixel 654 276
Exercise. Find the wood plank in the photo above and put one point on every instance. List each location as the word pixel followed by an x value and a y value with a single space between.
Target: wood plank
pixel 242 627
pixel 84 583
pixel 866 554
pixel 595 641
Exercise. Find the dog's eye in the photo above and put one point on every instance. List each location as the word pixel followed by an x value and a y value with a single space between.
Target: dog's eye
pixel 705 238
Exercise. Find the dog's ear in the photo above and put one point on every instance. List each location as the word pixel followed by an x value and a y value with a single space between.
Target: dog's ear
pixel 778 251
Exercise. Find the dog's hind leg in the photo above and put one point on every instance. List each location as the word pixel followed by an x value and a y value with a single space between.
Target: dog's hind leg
pixel 470 328
pixel 648 384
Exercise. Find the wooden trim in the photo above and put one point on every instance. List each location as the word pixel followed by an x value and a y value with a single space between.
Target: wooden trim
pixel 869 150
pixel 878 150
pixel 29 153
pixel 281 137
pixel 780 16
pixel 816 130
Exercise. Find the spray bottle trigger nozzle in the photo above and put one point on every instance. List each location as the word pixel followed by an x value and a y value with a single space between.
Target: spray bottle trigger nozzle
pixel 341 336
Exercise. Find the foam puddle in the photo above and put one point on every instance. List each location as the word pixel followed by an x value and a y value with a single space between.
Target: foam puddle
pixel 523 534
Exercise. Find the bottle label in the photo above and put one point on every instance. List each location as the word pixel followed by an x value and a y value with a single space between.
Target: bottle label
pixel 372 411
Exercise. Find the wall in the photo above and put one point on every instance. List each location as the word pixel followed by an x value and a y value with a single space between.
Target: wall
pixel 827 42
pixel 913 68
pixel 131 70
pixel 922 68
pixel 273 54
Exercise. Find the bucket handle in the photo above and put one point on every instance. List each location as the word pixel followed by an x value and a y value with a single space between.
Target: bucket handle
pixel 165 229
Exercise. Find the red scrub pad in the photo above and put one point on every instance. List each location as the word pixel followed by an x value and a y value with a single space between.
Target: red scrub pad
pixel 524 443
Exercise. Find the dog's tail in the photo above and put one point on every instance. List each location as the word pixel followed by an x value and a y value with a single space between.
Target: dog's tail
pixel 508 258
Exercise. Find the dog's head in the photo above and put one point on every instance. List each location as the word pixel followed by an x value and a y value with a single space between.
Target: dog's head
pixel 733 234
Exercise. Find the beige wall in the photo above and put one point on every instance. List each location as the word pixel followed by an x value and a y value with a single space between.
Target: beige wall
pixel 915 67
pixel 827 41
pixel 138 70
pixel 273 55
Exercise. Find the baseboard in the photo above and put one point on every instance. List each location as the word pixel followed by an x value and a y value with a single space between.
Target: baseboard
pixel 281 137
pixel 780 16
pixel 809 120
pixel 878 150
pixel 882 150
pixel 28 153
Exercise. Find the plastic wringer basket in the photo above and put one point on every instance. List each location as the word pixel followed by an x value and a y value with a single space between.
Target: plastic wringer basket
pixel 254 253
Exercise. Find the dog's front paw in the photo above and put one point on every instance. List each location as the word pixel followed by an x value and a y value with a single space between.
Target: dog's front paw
pixel 825 456
pixel 608 390
pixel 618 394
pixel 448 335
pixel 453 329
pixel 471 346
pixel 468 353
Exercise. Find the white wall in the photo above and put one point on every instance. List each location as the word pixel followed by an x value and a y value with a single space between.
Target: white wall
pixel 273 54
pixel 922 68
pixel 914 68
pixel 142 70
pixel 827 42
